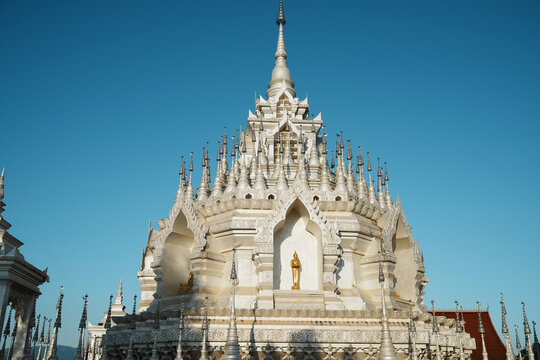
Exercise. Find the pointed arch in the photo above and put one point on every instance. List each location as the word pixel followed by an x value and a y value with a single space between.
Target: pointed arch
pixel 264 237
pixel 297 233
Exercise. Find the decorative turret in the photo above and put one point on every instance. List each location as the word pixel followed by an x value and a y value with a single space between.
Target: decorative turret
pixel 482 331
pixel 281 75
pixel 387 347
pixel 389 203
pixel 41 339
pixel 47 341
pixel 380 195
pixel 371 194
pixel 232 347
pixel 82 328
pixel 35 338
pixel 361 186
pixel 536 344
pixel 189 191
pixel 107 325
pixel 527 331
pixel 57 326
pixel 509 351
pixel 518 343
pixel 117 308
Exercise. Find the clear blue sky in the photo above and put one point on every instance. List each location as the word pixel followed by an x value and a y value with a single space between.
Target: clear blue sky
pixel 98 100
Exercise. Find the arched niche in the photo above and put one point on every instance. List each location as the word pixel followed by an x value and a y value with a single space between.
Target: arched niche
pixel 406 268
pixel 297 232
pixel 175 262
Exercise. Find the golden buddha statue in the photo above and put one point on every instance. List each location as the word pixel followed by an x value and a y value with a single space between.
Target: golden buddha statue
pixel 185 288
pixel 295 265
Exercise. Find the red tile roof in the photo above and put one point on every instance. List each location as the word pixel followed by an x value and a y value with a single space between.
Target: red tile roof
pixel 495 347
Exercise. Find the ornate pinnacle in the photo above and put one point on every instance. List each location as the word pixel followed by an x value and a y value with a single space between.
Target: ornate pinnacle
pixel 225 141
pixel 82 323
pixel 42 334
pixel 35 339
pixel 381 273
pixel 388 352
pixel 503 313
pixel 518 343
pixel 281 15
pixel 526 327
pixel 107 324
pixel 233 268
pixel 481 329
pixel 281 75
pixel 508 342
pixel 435 325
pixel 458 321
pixel 2 184
pixel 534 330
pixel 232 347
pixel 132 322
pixel 58 322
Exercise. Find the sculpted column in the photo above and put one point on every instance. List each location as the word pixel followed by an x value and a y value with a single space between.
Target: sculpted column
pixel 22 326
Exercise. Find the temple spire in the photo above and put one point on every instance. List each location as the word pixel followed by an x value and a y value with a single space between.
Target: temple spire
pixel 518 343
pixel 509 351
pixel 482 331
pixel 41 338
pixel 232 347
pixel 281 75
pixel 387 347
pixel 82 327
pixel 35 339
pixel 527 331
pixel 57 326
pixel 107 326
pixel 459 331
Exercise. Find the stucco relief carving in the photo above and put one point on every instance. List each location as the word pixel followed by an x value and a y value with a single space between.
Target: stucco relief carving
pixel 264 237
pixel 194 223
pixel 389 229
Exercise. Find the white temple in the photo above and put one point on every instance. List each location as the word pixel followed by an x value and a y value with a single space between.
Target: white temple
pixel 271 195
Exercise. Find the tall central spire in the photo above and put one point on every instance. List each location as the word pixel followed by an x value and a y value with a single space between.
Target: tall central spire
pixel 281 75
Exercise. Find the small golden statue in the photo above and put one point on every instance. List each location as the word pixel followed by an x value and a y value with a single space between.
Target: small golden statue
pixel 185 288
pixel 295 265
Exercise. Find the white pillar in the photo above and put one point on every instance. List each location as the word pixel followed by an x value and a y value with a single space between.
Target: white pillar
pixel 22 327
